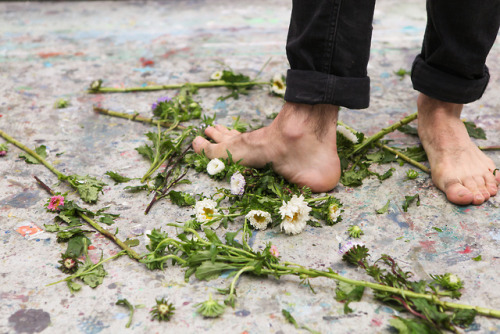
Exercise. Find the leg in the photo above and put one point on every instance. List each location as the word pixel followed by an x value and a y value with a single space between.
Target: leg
pixel 328 49
pixel 449 72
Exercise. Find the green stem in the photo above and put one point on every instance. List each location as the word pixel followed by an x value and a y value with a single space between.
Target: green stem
pixel 489 148
pixel 204 84
pixel 166 257
pixel 235 279
pixel 404 157
pixel 404 293
pixel 83 273
pixel 383 132
pixel 137 118
pixel 60 175
pixel 131 253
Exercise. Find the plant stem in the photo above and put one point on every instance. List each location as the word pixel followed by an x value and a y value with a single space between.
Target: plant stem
pixel 235 279
pixel 375 286
pixel 166 257
pixel 404 157
pixel 136 117
pixel 384 131
pixel 60 175
pixel 489 148
pixel 96 226
pixel 204 84
pixel 90 269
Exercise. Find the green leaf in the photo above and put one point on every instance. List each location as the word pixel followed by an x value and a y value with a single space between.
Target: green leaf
pixel 438 229
pixel 289 318
pixel 88 187
pixel 408 129
pixel 211 236
pixel 474 131
pixel 40 150
pixel 76 246
pixel 347 293
pixel 208 270
pixel 132 242
pixel 107 219
pixel 146 151
pixel 463 318
pixel 181 198
pixel 130 307
pixel 117 177
pixel 94 277
pixel 384 209
pixel 136 189
pixel 410 326
pixel 73 286
pixel 409 200
pixel 477 258
pixel 53 228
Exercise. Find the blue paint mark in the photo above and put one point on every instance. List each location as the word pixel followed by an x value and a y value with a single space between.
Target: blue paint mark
pixel 495 235
pixel 121 316
pixel 220 105
pixel 225 274
pixel 410 29
pixel 91 325
pixel 242 313
pixel 393 215
pixel 385 75
pixel 47 64
pixel 252 238
pixel 144 69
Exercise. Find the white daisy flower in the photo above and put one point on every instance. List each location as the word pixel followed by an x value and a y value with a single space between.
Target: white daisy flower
pixel 216 75
pixel 278 87
pixel 334 212
pixel 205 210
pixel 237 184
pixel 347 133
pixel 259 219
pixel 294 214
pixel 215 166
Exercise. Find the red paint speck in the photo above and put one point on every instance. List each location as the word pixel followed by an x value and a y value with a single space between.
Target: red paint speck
pixel 91 247
pixel 49 54
pixel 376 322
pixel 146 62
pixel 467 250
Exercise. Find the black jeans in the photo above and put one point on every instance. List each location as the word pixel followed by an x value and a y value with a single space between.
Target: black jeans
pixel 328 49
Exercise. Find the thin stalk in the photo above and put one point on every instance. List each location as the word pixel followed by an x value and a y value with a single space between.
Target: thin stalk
pixel 384 131
pixel 204 84
pixel 404 157
pixel 166 257
pixel 235 279
pixel 136 117
pixel 489 148
pixel 60 175
pixel 401 292
pixel 96 226
pixel 86 272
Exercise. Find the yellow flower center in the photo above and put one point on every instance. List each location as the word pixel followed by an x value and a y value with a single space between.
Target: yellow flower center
pixel 294 218
pixel 163 309
pixel 208 213
pixel 279 84
pixel 259 218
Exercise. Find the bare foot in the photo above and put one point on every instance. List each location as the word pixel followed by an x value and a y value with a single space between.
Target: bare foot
pixel 301 143
pixel 458 167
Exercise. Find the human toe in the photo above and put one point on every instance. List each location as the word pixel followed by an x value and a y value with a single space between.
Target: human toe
pixel 216 133
pixel 199 144
pixel 459 194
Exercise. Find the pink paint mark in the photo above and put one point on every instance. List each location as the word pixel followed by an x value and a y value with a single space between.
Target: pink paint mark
pixel 376 322
pixel 45 55
pixel 467 250
pixel 172 52
pixel 147 62
pixel 428 246
pixel 11 296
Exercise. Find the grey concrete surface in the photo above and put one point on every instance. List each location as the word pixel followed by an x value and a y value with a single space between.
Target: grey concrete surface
pixel 53 50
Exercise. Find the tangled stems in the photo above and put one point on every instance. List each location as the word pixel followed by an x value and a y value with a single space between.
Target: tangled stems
pixel 96 226
pixel 404 157
pixel 203 84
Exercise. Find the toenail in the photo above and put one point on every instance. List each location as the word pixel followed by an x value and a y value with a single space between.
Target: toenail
pixel 479 197
pixel 463 193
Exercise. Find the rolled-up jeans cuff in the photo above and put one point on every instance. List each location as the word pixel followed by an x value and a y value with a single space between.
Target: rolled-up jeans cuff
pixel 311 87
pixel 445 86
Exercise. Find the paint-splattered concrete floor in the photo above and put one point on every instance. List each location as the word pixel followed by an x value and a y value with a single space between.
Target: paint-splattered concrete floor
pixel 54 50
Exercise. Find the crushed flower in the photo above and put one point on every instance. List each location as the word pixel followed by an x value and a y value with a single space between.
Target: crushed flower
pixel 205 210
pixel 348 245
pixel 160 100
pixel 278 85
pixel 55 202
pixel 259 219
pixel 274 251
pixel 210 308
pixel 334 212
pixel 215 166
pixel 355 231
pixel 348 134
pixel 217 75
pixel 3 153
pixel 295 214
pixel 163 310
pixel 237 184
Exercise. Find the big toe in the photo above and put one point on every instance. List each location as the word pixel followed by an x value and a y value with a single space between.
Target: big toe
pixel 458 194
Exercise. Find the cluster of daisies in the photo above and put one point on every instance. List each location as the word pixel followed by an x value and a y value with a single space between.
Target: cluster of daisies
pixel 294 213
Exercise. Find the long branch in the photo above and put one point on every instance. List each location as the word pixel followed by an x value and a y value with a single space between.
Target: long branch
pixel 96 226
pixel 204 84
pixel 404 157
pixel 60 175
pixel 136 117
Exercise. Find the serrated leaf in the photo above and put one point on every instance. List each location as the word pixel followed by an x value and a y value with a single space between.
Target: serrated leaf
pixel 347 293
pixel 463 318
pixel 40 150
pixel 410 326
pixel 117 177
pixel 76 246
pixel 88 187
pixel 132 242
pixel 181 198
pixel 208 270
pixel 409 200
pixel 474 131
pixel 73 286
pixel 384 209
